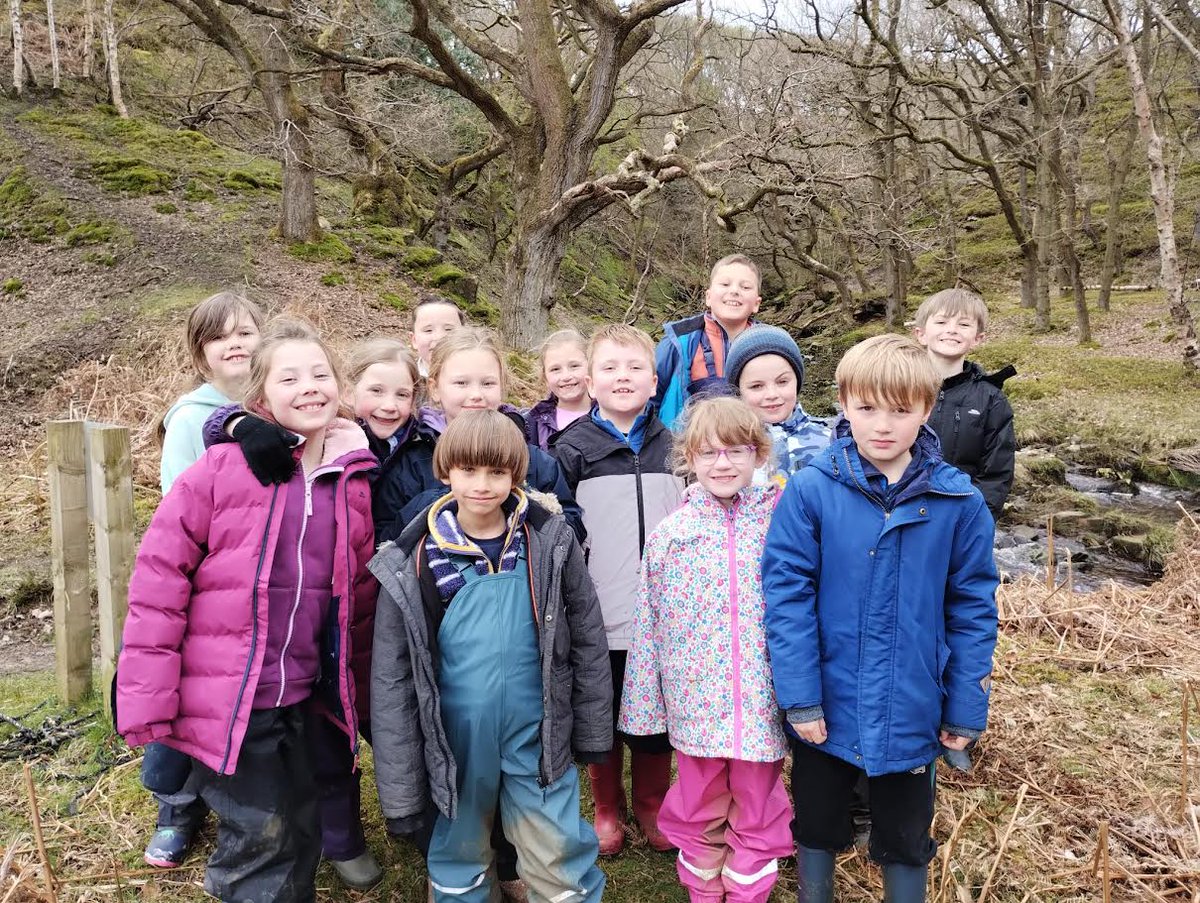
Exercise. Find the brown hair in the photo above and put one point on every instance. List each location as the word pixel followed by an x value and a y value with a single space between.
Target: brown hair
pixel 728 420
pixel 430 300
pixel 952 302
pixel 382 350
pixel 888 369
pixel 736 258
pixel 206 323
pixel 481 439
pixel 620 334
pixel 468 338
pixel 278 332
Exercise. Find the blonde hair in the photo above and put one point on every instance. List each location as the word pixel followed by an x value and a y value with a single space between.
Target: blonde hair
pixel 467 338
pixel 728 420
pixel 888 369
pixel 953 302
pixel 742 259
pixel 206 323
pixel 557 340
pixel 382 350
pixel 620 334
pixel 481 439
pixel 279 332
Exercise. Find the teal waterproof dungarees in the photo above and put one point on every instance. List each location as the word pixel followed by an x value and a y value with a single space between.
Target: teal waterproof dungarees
pixel 491 697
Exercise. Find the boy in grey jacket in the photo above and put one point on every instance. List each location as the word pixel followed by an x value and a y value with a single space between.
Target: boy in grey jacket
pixel 489 674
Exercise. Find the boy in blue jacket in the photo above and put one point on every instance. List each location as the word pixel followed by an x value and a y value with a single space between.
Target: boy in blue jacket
pixel 881 619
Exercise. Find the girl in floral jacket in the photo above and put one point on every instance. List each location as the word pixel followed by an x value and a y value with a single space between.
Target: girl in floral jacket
pixel 698 664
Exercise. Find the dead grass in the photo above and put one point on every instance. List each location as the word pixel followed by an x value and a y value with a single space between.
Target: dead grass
pixel 1086 738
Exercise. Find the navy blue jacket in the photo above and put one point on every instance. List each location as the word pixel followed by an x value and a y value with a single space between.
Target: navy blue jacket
pixel 881 612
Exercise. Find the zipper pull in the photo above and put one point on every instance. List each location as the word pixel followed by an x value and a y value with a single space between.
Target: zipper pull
pixel 308 497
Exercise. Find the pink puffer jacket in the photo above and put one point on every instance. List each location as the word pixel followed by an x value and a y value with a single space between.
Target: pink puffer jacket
pixel 196 632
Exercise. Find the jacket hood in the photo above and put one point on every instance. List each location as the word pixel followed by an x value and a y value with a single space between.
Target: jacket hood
pixel 205 396
pixel 972 372
pixel 434 419
pixel 943 478
pixel 797 421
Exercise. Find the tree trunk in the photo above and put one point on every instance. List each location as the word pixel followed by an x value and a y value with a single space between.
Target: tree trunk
pixel 1029 249
pixel 110 58
pixel 89 37
pixel 55 72
pixel 1066 172
pixel 1118 167
pixel 1162 191
pixel 18 45
pixel 1044 232
pixel 530 281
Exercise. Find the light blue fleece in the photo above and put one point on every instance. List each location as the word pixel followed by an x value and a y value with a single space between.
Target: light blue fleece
pixel 184 443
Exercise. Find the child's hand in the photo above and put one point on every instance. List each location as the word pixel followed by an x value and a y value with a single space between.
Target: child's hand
pixel 953 741
pixel 268 449
pixel 812 731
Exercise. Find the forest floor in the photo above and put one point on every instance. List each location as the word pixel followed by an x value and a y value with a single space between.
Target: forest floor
pixel 109 231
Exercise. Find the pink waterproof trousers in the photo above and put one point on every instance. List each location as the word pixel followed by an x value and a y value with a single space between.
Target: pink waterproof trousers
pixel 731 821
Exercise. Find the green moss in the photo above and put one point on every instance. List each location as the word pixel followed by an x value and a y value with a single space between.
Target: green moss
pixel 31 210
pixel 174 297
pixel 443 273
pixel 12 286
pixel 327 248
pixel 334 278
pixel 101 258
pixel 248 180
pixel 420 258
pixel 197 190
pixel 32 591
pixel 131 175
pixel 166 208
pixel 89 233
pixel 384 241
pixel 392 299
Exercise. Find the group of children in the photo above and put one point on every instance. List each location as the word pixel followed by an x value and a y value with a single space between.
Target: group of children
pixel 489 597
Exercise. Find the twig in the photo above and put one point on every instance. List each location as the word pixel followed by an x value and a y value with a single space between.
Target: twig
pixel 36 816
pixel 1012 823
pixel 1184 795
pixel 1103 853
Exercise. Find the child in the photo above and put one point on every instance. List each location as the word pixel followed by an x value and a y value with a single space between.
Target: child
pixel 564 367
pixel 767 370
pixel 467 372
pixel 698 664
pixel 691 356
pixel 617 462
pixel 433 319
pixel 222 332
pixel 972 417
pixel 244 607
pixel 881 619
pixel 489 673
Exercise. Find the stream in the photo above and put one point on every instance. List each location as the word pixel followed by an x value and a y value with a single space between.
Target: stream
pixel 1021 548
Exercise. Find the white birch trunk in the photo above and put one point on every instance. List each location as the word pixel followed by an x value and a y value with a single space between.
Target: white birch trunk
pixel 89 37
pixel 110 56
pixel 18 40
pixel 55 73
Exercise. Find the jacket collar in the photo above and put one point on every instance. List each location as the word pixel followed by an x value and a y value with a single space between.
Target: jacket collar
pixel 841 462
pixel 700 500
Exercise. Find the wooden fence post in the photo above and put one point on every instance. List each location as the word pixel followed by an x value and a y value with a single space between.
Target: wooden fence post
pixel 111 477
pixel 69 546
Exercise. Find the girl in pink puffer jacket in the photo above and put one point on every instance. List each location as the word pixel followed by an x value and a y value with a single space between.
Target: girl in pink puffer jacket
pixel 247 606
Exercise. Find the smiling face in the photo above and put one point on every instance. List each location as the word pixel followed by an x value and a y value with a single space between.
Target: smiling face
pixel 724 471
pixel 383 397
pixel 950 336
pixel 227 357
pixel 480 491
pixel 884 432
pixel 431 323
pixel 468 381
pixel 300 392
pixel 565 368
pixel 622 379
pixel 768 384
pixel 732 296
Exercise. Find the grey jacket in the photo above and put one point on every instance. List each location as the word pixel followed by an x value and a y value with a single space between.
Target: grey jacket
pixel 414 765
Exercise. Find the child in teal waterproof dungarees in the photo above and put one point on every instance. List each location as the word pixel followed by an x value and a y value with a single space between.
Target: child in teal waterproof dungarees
pixel 489 674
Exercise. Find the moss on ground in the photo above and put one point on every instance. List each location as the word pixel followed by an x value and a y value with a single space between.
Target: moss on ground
pixel 328 248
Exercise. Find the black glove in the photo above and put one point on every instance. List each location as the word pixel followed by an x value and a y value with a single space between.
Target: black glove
pixel 268 449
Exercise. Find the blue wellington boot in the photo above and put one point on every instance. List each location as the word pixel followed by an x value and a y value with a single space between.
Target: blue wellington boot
pixel 815 873
pixel 904 883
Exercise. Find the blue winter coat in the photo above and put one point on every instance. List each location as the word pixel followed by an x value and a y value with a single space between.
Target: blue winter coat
pixel 880 612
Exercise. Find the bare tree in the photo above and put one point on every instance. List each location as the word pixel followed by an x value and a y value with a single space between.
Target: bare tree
pixel 18 45
pixel 109 27
pixel 55 74
pixel 89 37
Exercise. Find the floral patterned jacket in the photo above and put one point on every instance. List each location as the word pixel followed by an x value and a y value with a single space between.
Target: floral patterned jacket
pixel 698 665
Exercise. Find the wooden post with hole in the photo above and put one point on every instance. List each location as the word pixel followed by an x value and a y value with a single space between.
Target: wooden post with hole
pixel 69 550
pixel 110 467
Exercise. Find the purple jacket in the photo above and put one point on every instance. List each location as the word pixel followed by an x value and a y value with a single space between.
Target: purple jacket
pixel 195 638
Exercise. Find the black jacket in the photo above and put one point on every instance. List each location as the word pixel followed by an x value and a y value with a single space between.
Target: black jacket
pixel 974 422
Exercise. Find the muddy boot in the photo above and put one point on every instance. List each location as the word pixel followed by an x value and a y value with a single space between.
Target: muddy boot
pixel 608 793
pixel 651 780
